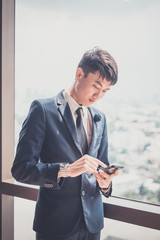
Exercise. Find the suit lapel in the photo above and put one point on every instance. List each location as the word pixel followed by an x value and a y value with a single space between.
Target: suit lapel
pixel 67 117
pixel 95 130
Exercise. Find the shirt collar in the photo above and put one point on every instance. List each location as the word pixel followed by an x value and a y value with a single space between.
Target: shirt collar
pixel 73 104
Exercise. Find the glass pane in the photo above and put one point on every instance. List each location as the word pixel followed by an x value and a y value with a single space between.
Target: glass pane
pixel 23 219
pixel 114 230
pixel 51 37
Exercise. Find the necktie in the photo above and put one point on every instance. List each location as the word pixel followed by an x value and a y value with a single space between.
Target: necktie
pixel 82 137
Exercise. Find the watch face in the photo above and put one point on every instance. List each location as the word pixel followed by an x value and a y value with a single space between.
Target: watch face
pixel 62 165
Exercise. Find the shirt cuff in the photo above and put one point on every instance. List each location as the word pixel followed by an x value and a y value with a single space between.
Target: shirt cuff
pixel 107 191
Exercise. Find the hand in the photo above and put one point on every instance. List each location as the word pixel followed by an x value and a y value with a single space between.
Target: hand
pixel 104 179
pixel 85 164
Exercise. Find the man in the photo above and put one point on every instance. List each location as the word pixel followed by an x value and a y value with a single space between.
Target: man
pixel 62 148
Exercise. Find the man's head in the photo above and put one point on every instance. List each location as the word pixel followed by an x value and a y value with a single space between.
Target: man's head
pixel 95 74
pixel 99 60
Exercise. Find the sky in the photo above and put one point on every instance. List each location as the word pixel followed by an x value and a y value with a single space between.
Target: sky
pixel 51 37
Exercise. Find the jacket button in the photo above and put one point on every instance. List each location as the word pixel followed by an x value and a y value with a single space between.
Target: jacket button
pixel 83 193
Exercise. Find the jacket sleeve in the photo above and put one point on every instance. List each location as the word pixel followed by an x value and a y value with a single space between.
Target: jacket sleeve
pixel 103 154
pixel 27 167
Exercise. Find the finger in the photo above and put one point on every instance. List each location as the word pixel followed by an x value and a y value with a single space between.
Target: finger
pixel 93 163
pixel 101 181
pixel 83 161
pixel 99 162
pixel 105 175
pixel 99 177
pixel 108 177
pixel 94 160
pixel 87 160
pixel 87 167
pixel 115 173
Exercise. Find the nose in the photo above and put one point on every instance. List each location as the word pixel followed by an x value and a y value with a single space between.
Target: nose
pixel 97 95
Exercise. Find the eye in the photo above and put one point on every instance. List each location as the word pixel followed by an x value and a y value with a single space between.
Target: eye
pixel 95 86
pixel 106 90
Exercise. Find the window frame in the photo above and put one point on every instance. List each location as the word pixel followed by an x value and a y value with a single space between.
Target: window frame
pixel 117 209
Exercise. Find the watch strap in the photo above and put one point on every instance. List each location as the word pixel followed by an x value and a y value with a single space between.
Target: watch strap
pixel 63 167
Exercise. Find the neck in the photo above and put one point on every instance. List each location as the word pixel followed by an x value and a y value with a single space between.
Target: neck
pixel 72 92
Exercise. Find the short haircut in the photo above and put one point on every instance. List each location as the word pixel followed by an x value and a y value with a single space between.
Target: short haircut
pixel 100 60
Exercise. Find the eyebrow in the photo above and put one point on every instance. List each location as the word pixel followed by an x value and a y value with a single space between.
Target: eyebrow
pixel 100 84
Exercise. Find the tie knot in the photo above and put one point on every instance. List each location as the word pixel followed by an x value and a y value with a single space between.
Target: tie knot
pixel 78 111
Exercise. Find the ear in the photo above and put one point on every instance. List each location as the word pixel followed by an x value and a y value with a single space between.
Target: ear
pixel 79 74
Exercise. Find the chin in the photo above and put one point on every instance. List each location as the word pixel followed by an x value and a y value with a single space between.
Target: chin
pixel 88 104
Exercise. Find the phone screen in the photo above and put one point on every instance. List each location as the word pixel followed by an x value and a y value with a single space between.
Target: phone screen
pixel 111 169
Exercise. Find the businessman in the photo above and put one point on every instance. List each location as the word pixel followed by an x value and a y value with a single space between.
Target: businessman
pixel 63 148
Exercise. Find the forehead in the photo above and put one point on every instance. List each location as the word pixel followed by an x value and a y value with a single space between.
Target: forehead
pixel 97 78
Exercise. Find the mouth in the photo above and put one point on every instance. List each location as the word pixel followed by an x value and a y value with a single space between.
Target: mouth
pixel 92 101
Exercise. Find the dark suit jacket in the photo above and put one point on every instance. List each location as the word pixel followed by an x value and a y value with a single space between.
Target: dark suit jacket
pixel 48 138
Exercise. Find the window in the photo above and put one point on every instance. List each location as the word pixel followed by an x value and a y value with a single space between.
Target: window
pixel 51 37
pixel 132 212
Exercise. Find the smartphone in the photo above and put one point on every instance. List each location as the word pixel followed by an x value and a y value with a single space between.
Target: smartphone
pixel 112 168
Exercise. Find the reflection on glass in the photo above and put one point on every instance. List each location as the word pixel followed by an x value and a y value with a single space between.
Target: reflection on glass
pixel 51 37
pixel 115 230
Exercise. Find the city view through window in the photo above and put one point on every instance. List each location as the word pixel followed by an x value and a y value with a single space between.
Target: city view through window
pixel 51 37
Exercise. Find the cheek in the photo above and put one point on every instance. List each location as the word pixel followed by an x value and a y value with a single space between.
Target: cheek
pixel 101 95
pixel 86 91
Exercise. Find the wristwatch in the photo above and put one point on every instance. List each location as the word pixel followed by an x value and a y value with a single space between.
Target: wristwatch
pixel 63 167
